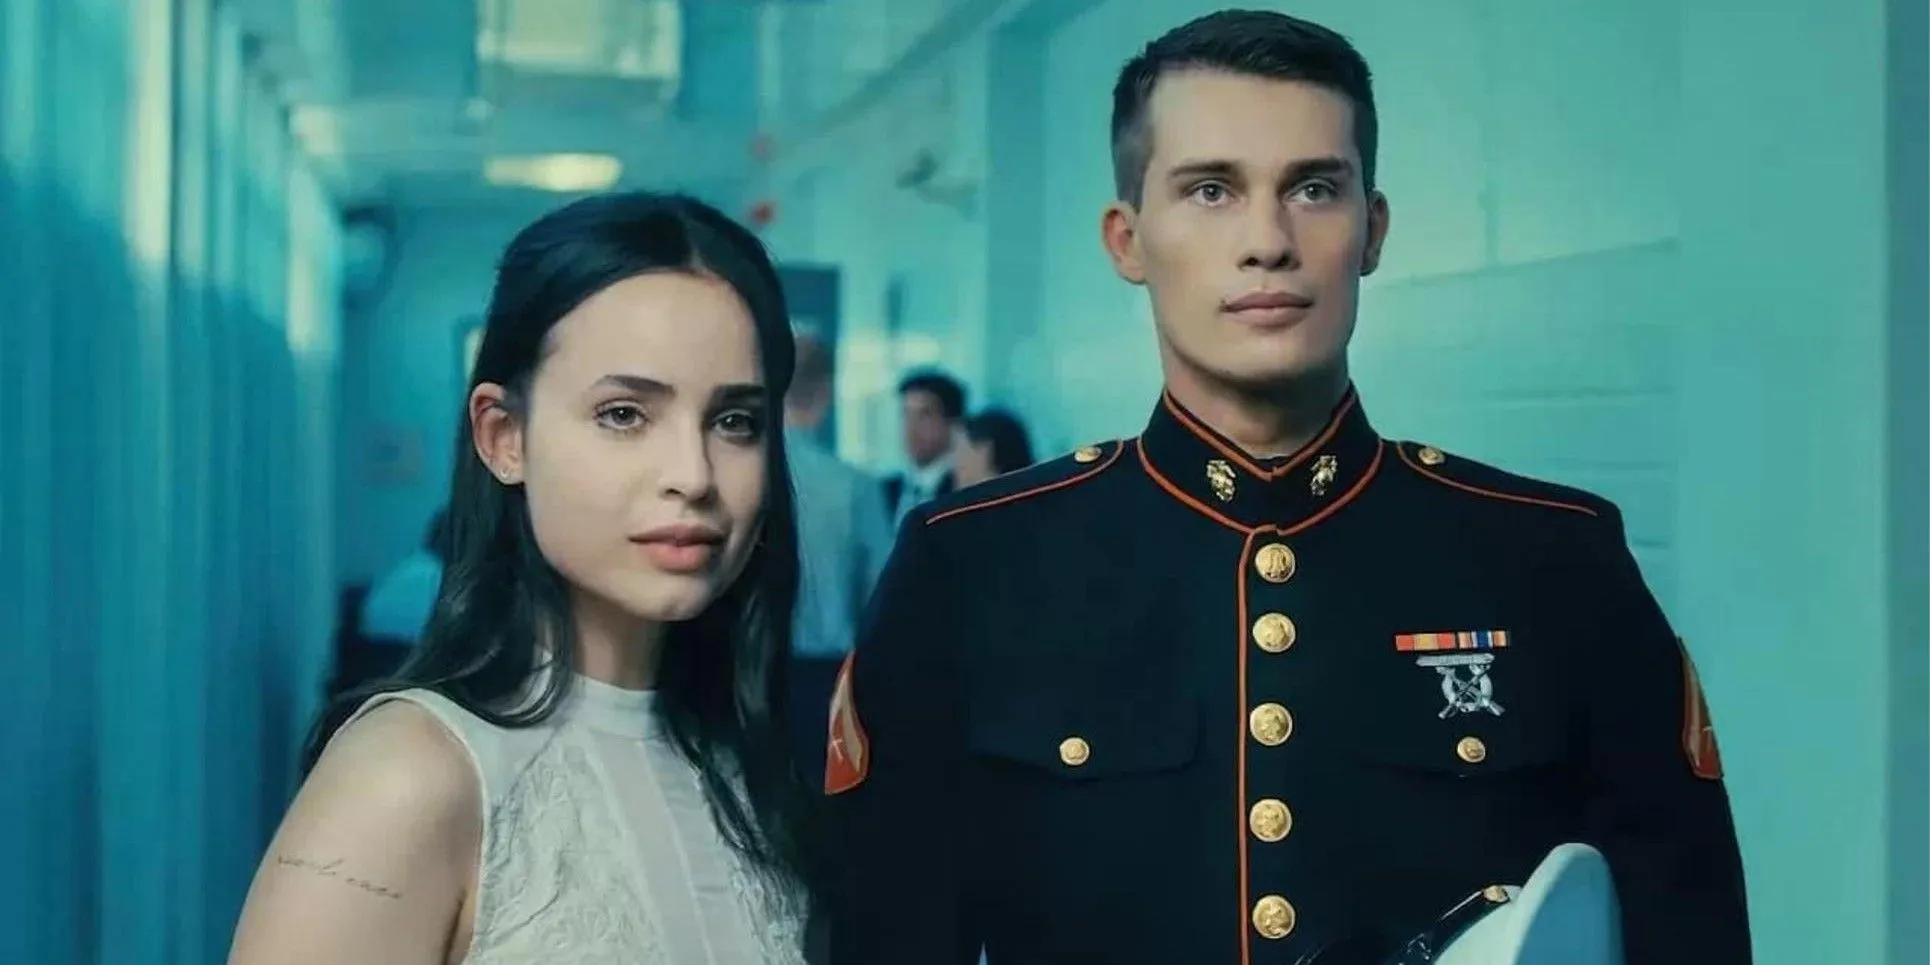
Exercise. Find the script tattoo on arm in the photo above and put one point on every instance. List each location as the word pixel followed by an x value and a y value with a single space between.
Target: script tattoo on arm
pixel 333 869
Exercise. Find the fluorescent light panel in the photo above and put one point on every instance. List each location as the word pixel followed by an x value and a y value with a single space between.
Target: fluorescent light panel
pixel 561 173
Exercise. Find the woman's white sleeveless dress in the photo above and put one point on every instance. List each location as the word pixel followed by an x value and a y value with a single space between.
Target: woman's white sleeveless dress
pixel 598 846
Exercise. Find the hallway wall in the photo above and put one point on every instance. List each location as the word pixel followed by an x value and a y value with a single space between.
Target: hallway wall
pixel 912 269
pixel 1629 253
pixel 167 366
pixel 403 380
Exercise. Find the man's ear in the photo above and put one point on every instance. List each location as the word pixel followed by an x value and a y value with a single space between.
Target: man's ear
pixel 497 432
pixel 1119 232
pixel 1376 233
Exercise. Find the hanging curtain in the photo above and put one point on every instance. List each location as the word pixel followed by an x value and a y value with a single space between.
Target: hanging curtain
pixel 167 378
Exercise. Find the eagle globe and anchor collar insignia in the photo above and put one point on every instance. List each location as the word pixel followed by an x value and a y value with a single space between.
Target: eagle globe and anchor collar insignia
pixel 1217 478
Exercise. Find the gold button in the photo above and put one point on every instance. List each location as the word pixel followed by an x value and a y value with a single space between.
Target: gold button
pixel 1471 749
pixel 1431 456
pixel 1496 894
pixel 1269 819
pixel 1270 724
pixel 1273 917
pixel 1074 751
pixel 1275 563
pixel 1086 454
pixel 1273 632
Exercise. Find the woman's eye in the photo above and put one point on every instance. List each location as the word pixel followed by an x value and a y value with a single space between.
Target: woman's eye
pixel 622 418
pixel 740 424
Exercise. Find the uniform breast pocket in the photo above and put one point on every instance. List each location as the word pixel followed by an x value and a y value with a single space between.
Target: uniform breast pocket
pixel 1088 808
pixel 1489 792
pixel 1080 775
pixel 1066 746
pixel 1465 749
pixel 1483 729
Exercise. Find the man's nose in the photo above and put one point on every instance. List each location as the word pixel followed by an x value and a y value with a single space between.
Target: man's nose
pixel 1270 243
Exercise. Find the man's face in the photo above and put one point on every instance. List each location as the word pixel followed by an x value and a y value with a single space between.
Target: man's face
pixel 928 433
pixel 1254 229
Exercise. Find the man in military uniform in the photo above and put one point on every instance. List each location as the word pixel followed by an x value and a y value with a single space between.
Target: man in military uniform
pixel 1260 682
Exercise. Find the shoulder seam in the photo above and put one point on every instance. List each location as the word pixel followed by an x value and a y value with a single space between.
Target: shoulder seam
pixel 1412 463
pixel 1117 446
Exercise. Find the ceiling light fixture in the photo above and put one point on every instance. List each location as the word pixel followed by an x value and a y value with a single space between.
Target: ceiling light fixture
pixel 561 173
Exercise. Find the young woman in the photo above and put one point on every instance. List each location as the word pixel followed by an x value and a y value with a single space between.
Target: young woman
pixel 995 443
pixel 585 760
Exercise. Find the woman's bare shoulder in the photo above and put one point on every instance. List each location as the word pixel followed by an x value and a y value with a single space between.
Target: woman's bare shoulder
pixel 373 859
pixel 397 762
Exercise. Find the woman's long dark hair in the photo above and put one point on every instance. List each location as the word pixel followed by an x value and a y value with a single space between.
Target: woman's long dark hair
pixel 722 683
pixel 1011 445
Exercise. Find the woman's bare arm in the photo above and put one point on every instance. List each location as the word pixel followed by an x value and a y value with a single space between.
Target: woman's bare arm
pixel 373 860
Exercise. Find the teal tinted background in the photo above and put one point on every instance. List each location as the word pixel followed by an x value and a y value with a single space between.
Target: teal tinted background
pixel 165 517
pixel 1673 252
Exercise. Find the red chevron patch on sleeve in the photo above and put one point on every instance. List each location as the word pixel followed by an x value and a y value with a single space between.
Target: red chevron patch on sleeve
pixel 847 757
pixel 1698 731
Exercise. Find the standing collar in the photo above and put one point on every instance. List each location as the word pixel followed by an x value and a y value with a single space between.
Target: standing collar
pixel 1210 473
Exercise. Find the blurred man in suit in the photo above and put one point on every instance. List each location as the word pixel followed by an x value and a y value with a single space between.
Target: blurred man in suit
pixel 934 408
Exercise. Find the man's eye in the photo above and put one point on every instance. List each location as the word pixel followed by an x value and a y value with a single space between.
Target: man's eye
pixel 1318 192
pixel 1212 192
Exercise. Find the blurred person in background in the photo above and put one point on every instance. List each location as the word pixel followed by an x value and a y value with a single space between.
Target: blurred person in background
pixel 933 405
pixel 844 536
pixel 995 443
pixel 391 617
pixel 1259 684
pixel 397 607
pixel 585 759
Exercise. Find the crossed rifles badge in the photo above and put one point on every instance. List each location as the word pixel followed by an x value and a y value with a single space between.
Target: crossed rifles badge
pixel 1462 658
